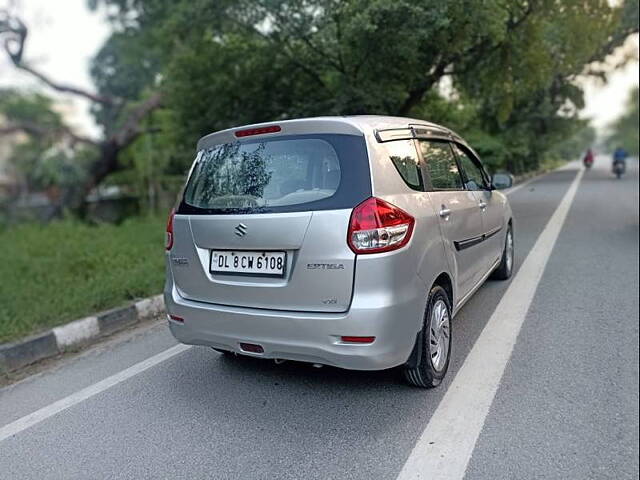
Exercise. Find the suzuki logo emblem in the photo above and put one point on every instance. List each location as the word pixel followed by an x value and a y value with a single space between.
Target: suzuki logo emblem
pixel 241 230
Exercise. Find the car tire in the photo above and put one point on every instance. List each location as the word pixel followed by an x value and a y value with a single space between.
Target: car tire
pixel 430 368
pixel 505 268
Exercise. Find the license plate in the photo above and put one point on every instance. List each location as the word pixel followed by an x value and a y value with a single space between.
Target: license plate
pixel 270 264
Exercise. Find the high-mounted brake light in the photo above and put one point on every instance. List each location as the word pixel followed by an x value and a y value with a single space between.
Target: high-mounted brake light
pixel 258 131
pixel 377 226
pixel 168 243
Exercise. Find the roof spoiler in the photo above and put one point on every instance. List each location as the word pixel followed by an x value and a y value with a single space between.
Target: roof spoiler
pixel 416 131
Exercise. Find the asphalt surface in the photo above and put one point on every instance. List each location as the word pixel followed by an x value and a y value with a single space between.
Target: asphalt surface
pixel 567 405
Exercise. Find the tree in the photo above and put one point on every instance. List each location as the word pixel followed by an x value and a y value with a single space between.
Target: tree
pixel 107 149
pixel 34 110
pixel 510 66
pixel 259 60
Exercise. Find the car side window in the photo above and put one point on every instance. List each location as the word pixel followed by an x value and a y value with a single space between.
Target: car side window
pixel 441 166
pixel 472 174
pixel 404 156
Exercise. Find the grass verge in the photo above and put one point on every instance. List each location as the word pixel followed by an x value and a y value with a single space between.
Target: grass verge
pixel 66 270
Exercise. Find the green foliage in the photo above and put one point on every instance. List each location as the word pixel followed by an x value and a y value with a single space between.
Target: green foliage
pixel 66 270
pixel 624 131
pixel 44 158
pixel 511 64
pixel 55 167
pixel 26 107
pixel 40 159
pixel 575 145
pixel 123 68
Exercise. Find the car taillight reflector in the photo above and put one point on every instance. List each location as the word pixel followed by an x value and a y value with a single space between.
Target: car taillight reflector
pixel 377 226
pixel 257 131
pixel 351 339
pixel 176 318
pixel 168 243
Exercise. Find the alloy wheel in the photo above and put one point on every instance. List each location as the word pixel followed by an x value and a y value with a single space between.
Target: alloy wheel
pixel 439 336
pixel 509 250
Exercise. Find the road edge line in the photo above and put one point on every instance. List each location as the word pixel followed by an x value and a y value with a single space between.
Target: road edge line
pixel 445 447
pixel 54 408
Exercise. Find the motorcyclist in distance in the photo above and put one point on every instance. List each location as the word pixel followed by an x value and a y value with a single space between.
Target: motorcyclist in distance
pixel 588 158
pixel 619 161
pixel 620 155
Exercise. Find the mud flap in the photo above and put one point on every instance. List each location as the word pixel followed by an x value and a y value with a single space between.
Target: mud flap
pixel 416 353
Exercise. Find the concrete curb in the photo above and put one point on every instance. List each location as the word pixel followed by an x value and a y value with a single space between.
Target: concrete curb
pixel 75 334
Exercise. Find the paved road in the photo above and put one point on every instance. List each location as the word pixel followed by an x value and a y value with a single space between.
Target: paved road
pixel 566 406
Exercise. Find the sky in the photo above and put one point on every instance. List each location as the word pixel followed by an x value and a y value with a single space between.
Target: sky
pixel 62 41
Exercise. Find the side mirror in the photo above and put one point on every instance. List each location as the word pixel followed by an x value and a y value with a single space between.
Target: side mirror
pixel 501 180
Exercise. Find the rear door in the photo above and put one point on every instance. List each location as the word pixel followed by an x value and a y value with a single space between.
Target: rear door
pixel 458 212
pixel 263 222
pixel 491 204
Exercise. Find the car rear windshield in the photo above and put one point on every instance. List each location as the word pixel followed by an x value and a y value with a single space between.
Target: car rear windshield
pixel 280 174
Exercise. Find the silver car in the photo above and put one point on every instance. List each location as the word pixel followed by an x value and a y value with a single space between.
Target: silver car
pixel 344 241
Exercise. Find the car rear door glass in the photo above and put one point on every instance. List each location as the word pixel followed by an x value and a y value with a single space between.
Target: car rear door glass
pixel 440 165
pixel 472 174
pixel 404 156
pixel 262 174
pixel 281 174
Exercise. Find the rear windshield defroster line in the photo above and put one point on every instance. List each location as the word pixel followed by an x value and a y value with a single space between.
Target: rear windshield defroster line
pixel 291 173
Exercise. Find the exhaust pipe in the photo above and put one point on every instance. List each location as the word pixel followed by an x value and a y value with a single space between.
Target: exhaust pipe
pixel 279 361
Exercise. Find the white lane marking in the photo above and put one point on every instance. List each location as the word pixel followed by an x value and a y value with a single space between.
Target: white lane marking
pixel 88 392
pixel 444 449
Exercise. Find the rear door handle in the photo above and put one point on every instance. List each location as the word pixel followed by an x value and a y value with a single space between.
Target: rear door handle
pixel 444 212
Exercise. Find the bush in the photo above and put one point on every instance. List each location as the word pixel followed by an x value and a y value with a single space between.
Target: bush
pixel 67 270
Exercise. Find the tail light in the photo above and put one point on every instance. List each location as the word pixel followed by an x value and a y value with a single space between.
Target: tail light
pixel 168 243
pixel 377 226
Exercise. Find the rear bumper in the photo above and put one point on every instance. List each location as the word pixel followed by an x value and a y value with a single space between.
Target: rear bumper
pixel 303 336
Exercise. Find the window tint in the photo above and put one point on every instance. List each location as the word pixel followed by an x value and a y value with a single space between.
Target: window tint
pixel 405 158
pixel 473 177
pixel 270 173
pixel 441 165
